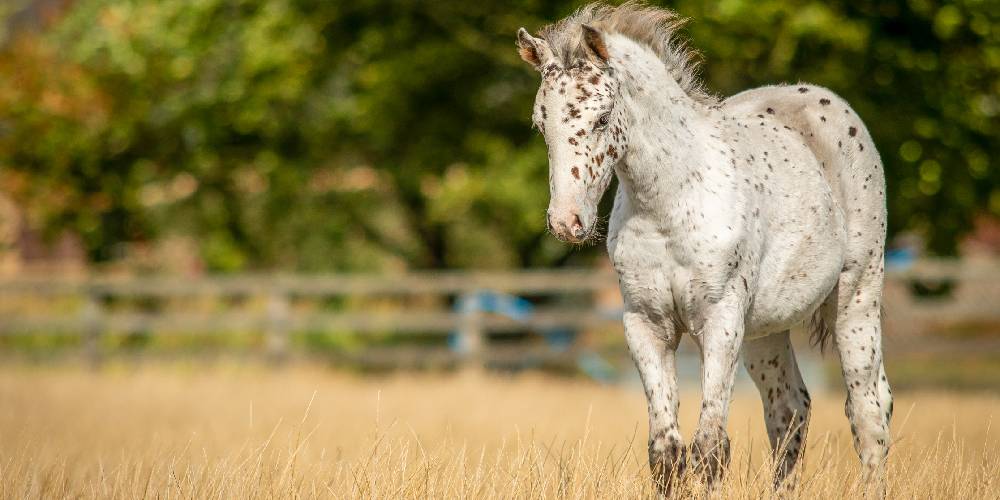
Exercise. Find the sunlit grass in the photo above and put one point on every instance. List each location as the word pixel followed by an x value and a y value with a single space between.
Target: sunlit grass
pixel 239 432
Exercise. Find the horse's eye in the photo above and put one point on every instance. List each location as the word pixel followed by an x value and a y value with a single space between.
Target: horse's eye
pixel 602 121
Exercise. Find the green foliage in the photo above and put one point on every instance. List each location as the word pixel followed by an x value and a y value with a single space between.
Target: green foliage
pixel 306 134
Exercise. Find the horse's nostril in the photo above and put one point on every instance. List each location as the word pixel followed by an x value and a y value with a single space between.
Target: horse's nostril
pixel 577 228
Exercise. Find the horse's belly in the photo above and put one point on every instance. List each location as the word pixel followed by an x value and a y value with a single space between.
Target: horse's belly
pixel 793 284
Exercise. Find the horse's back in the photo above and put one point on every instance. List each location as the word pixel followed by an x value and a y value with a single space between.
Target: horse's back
pixel 839 140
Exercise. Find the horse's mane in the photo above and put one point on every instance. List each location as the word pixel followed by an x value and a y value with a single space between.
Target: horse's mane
pixel 654 26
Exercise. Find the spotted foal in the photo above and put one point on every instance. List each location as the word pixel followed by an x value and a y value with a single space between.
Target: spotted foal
pixel 734 221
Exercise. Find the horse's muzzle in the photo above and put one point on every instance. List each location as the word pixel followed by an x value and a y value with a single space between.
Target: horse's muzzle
pixel 567 226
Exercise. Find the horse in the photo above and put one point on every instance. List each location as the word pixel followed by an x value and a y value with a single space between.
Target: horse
pixel 734 220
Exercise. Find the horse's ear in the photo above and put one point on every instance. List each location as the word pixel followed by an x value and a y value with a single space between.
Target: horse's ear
pixel 533 50
pixel 594 41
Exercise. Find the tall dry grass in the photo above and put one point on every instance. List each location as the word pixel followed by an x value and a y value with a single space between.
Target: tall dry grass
pixel 239 432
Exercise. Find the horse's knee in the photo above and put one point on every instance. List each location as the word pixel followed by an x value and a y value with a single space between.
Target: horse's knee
pixel 710 451
pixel 666 458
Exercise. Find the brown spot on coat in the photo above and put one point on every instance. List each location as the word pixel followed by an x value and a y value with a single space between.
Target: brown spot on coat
pixel 824 101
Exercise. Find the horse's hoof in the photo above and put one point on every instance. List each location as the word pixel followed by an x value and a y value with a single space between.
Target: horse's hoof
pixel 667 458
pixel 710 452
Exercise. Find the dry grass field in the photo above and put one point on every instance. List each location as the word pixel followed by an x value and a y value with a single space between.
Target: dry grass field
pixel 248 432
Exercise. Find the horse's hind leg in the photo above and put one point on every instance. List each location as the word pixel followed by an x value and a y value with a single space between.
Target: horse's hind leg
pixel 771 363
pixel 858 333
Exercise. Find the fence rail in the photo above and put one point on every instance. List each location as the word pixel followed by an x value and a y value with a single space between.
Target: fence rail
pixel 449 282
pixel 526 282
pixel 976 295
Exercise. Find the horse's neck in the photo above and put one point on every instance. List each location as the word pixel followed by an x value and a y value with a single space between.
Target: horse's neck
pixel 668 136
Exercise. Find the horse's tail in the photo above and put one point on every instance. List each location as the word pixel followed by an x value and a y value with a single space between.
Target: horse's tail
pixel 823 321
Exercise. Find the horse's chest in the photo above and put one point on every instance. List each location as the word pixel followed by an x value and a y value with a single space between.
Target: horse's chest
pixel 652 279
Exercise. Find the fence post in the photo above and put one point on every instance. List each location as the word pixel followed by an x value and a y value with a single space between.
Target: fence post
pixel 470 331
pixel 277 325
pixel 92 317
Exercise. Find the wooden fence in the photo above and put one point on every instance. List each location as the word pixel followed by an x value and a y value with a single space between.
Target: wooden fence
pixel 975 293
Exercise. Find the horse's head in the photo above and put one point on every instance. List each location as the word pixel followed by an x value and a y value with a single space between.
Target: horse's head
pixel 576 113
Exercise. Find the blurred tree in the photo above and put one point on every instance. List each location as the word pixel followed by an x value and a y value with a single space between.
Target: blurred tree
pixel 308 134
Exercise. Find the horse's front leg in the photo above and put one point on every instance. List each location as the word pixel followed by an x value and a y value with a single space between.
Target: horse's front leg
pixel 720 339
pixel 653 343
